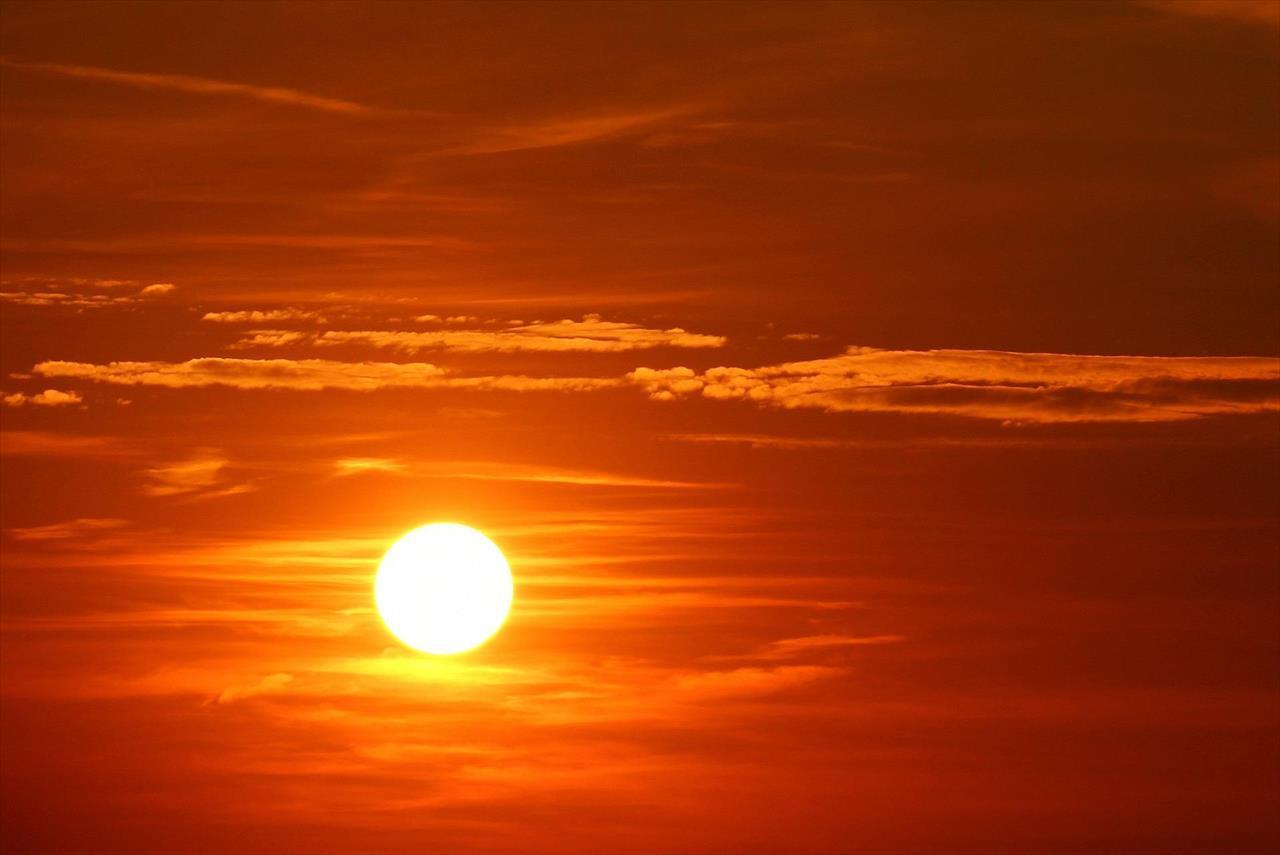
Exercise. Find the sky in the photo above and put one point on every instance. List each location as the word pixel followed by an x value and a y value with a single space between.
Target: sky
pixel 877 404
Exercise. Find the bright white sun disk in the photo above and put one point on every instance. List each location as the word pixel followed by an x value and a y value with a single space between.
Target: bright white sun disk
pixel 443 588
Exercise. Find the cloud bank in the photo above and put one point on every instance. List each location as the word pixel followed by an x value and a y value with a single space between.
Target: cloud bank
pixel 991 384
pixel 304 375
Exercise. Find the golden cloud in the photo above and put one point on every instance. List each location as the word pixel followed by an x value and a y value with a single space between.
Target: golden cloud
pixel 47 398
pixel 990 384
pixel 261 316
pixel 305 375
pixel 591 334
pixel 203 471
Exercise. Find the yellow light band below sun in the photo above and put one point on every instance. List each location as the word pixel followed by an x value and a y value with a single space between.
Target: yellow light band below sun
pixel 443 588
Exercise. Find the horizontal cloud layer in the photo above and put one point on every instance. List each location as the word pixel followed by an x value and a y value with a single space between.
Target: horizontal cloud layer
pixel 259 316
pixel 990 384
pixel 999 385
pixel 80 294
pixel 592 334
pixel 303 374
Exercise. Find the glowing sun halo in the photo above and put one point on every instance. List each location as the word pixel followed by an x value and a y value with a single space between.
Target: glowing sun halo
pixel 443 588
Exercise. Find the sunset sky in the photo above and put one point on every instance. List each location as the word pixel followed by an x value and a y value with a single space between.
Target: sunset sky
pixel 878 405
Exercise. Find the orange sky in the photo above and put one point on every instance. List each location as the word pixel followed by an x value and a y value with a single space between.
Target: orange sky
pixel 877 404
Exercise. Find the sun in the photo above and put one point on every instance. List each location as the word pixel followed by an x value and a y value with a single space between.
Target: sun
pixel 443 588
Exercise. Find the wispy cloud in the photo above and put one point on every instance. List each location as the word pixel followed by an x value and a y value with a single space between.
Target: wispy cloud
pixel 360 465
pixel 36 443
pixel 194 85
pixel 749 682
pixel 306 375
pixel 269 684
pixel 202 475
pixel 757 440
pixel 498 471
pixel 573 130
pixel 791 648
pixel 69 530
pixel 591 334
pixel 988 384
pixel 552 475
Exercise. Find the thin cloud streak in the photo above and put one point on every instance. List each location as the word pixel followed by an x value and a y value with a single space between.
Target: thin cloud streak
pixel 499 471
pixel 37 443
pixel 69 530
pixel 555 133
pixel 194 85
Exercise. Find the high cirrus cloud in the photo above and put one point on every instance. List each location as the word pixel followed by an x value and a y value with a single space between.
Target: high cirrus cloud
pixel 304 374
pixel 190 84
pixel 990 384
pixel 591 334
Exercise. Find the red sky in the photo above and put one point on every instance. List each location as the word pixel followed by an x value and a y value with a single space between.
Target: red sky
pixel 877 404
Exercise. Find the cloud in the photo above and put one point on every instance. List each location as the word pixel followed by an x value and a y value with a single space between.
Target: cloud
pixel 60 298
pixel 1001 441
pixel 259 316
pixel 553 475
pixel 35 443
pixel 499 471
pixel 591 334
pixel 270 684
pixel 80 293
pixel 554 133
pixel 203 475
pixel 68 530
pixel 272 338
pixel 790 648
pixel 305 375
pixel 755 440
pixel 47 398
pixel 988 384
pixel 360 465
pixel 195 85
pixel 593 327
pixel 749 682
